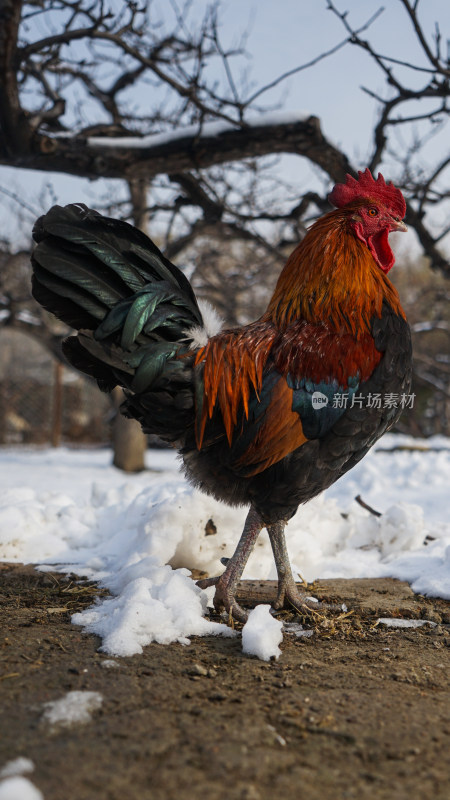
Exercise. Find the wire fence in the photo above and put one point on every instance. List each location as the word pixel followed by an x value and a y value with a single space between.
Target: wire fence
pixel 43 402
pixel 53 413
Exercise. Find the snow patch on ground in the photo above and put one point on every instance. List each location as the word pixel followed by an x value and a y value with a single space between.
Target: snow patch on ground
pixel 13 786
pixel 393 622
pixel 75 708
pixel 19 788
pixel 18 766
pixel 139 535
pixel 262 634
pixel 161 605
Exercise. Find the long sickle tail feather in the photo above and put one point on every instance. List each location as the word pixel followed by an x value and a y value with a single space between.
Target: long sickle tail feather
pixel 93 262
pixel 132 307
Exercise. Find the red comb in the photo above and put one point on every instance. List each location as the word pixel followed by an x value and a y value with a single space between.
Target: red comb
pixel 366 187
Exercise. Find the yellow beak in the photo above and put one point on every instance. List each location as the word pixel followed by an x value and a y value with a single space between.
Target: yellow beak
pixel 398 225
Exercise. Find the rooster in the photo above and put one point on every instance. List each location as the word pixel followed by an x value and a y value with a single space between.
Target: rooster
pixel 269 414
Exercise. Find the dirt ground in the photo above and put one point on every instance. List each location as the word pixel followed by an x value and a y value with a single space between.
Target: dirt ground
pixel 357 710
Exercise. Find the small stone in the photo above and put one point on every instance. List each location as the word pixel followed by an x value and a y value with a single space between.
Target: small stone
pixel 47 581
pixel 198 669
pixel 217 697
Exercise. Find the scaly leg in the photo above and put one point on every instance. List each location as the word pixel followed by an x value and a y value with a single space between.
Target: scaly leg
pixel 227 582
pixel 288 594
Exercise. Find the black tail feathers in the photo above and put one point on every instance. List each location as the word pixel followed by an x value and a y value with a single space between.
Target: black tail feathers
pixel 133 308
pixel 85 263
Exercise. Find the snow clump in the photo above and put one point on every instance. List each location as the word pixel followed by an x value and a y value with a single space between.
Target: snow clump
pixel 262 634
pixel 15 787
pixel 75 708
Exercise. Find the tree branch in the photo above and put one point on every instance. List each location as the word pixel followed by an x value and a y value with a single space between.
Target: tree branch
pixel 437 260
pixel 149 156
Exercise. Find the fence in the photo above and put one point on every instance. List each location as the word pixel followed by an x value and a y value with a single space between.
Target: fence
pixel 43 402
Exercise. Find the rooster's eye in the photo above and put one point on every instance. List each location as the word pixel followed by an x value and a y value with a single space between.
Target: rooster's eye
pixel 373 212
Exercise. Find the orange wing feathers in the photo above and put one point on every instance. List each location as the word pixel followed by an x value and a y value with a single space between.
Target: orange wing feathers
pixel 280 432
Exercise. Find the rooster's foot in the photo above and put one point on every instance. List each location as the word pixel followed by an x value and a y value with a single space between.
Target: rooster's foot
pixel 226 584
pixel 301 602
pixel 288 594
pixel 224 598
pixel 289 597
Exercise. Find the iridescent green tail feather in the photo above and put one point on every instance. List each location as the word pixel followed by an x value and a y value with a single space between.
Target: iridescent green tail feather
pixel 132 307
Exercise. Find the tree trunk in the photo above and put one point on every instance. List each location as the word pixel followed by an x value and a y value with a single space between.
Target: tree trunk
pixel 57 404
pixel 129 443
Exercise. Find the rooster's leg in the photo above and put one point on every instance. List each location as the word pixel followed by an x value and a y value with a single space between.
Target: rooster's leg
pixel 288 594
pixel 227 582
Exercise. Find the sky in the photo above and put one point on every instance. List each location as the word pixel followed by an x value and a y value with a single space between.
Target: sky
pixel 280 36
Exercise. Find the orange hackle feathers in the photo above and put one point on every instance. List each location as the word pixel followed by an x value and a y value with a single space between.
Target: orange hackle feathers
pixel 312 350
pixel 332 277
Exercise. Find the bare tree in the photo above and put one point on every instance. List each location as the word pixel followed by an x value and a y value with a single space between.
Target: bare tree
pixel 72 80
pixel 18 311
pixel 157 105
pixel 425 298
pixel 415 103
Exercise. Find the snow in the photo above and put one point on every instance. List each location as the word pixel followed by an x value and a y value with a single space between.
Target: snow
pixel 394 622
pixel 139 535
pixel 19 788
pixel 262 634
pixel 161 606
pixel 206 130
pixel 15 787
pixel 430 325
pixel 18 766
pixel 75 708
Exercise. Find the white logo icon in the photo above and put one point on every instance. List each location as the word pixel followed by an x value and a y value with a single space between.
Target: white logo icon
pixel 319 400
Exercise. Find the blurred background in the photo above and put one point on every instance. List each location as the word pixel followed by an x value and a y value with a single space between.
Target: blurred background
pixel 218 129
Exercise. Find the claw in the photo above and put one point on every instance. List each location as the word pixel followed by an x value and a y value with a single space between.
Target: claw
pixel 288 594
pixel 205 583
pixel 303 603
pixel 224 598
